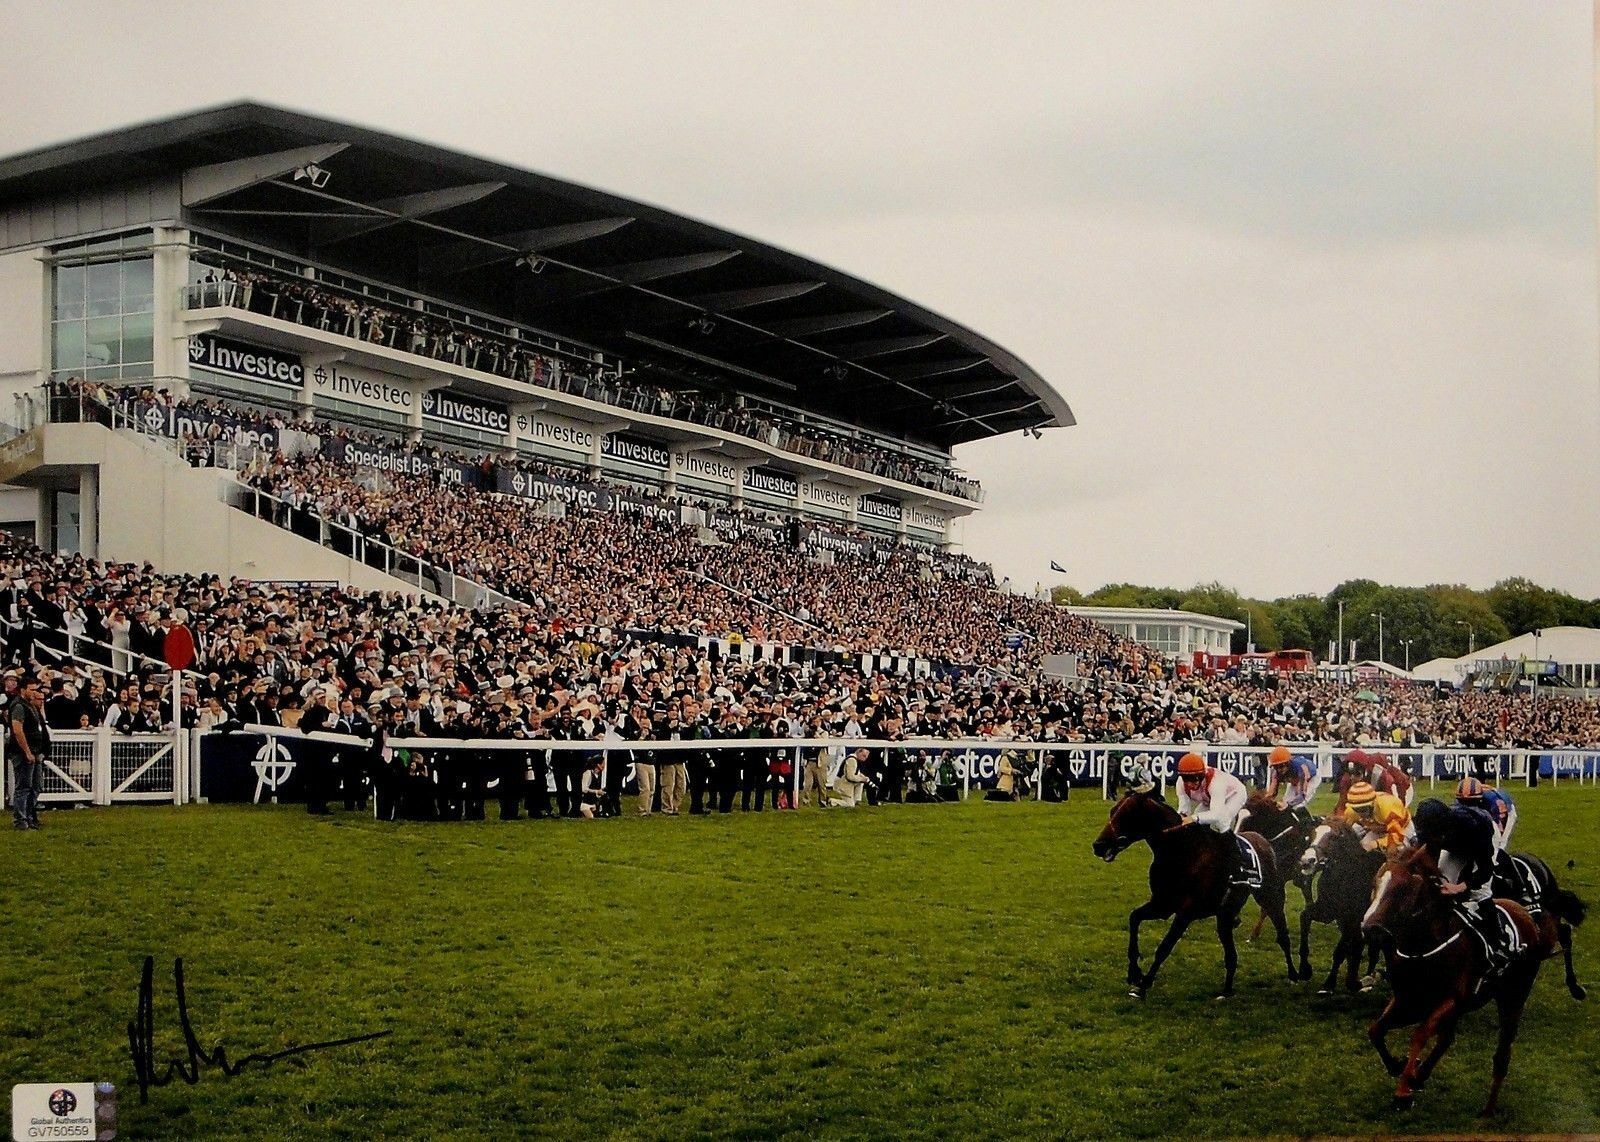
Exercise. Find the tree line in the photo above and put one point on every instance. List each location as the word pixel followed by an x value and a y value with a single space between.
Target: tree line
pixel 1443 620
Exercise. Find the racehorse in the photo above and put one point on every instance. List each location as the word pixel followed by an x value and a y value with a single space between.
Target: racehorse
pixel 1287 832
pixel 1534 886
pixel 1437 973
pixel 1188 882
pixel 1344 873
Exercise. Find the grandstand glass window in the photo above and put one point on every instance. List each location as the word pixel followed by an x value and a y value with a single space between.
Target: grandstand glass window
pixel 1165 637
pixel 103 309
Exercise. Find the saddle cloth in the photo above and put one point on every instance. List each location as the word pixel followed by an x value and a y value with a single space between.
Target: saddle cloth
pixel 1247 873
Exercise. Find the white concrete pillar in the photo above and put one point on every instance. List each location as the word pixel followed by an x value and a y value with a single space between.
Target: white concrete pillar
pixel 89 512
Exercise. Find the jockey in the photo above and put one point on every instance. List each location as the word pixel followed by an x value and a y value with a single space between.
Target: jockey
pixel 1207 796
pixel 1474 794
pixel 1380 818
pixel 1387 777
pixel 1293 780
pixel 1461 840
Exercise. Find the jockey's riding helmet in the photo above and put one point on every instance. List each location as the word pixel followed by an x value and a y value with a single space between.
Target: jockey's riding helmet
pixel 1279 756
pixel 1361 796
pixel 1470 789
pixel 1191 765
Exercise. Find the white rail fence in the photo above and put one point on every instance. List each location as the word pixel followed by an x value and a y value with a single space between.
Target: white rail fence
pixel 101 767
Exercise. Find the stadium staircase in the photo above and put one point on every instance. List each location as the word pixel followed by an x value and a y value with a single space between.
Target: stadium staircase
pixel 153 507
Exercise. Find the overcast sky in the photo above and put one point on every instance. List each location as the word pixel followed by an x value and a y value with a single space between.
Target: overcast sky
pixel 1317 279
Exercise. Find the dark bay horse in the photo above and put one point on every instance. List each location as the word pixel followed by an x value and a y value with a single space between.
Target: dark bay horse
pixel 1342 872
pixel 1188 882
pixel 1287 832
pixel 1437 971
pixel 1534 886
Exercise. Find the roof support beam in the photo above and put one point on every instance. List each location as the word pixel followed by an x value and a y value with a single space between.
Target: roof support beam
pixel 735 299
pixel 459 257
pixel 403 209
pixel 861 350
pixel 205 184
pixel 825 322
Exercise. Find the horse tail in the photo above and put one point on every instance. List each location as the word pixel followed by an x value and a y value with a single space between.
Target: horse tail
pixel 1568 906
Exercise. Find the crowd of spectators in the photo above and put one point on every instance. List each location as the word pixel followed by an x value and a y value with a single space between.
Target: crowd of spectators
pixel 265 651
pixel 307 302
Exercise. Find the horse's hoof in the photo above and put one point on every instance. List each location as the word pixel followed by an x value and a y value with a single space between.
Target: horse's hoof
pixel 1136 992
pixel 1223 995
pixel 1488 1111
pixel 1394 1067
pixel 1324 991
pixel 1404 1101
pixel 1578 992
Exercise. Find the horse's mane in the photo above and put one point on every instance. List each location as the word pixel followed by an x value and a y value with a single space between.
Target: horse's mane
pixel 1259 800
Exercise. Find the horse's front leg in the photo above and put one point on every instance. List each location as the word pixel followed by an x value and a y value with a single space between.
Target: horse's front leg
pixel 1230 954
pixel 1564 937
pixel 1180 923
pixel 1306 920
pixel 1145 911
pixel 1387 1021
pixel 1405 1091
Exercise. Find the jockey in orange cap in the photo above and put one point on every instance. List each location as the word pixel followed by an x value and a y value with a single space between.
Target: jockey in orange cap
pixel 1207 796
pixel 1293 781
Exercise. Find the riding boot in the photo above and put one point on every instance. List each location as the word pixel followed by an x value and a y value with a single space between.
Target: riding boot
pixel 1485 919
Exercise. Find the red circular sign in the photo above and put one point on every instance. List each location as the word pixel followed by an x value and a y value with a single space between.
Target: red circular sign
pixel 178 649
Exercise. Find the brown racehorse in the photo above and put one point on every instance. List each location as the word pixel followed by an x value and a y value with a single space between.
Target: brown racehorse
pixel 1188 882
pixel 1287 832
pixel 1436 970
pixel 1343 871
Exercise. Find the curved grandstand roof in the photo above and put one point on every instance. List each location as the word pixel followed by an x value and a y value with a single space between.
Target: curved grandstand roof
pixel 643 283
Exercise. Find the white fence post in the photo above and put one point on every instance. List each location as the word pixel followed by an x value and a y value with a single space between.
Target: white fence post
pixel 100 766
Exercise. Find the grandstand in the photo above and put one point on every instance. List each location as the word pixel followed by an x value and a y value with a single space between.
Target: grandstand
pixel 324 271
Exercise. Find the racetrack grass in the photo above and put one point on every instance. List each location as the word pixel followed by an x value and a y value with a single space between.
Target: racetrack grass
pixel 931 971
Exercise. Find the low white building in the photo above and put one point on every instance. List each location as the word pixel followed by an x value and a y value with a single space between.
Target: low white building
pixel 1178 633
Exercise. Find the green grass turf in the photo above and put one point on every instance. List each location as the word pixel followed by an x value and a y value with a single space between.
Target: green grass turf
pixel 952 971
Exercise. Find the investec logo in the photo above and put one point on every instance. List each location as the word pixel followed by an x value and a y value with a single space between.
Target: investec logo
pixel 696 465
pixel 825 494
pixel 638 451
pixel 245 361
pixel 442 406
pixel 367 390
pixel 776 483
pixel 880 509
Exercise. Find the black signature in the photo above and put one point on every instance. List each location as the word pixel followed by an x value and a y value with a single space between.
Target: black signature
pixel 141 1040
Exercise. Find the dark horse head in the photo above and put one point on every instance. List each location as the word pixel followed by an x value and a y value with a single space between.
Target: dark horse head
pixel 1334 839
pixel 1139 816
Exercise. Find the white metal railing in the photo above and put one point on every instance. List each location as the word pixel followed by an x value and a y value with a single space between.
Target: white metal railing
pixel 103 767
pixel 366 550
pixel 100 767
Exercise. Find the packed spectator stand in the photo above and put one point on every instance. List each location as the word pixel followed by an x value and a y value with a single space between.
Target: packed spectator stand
pixel 318 306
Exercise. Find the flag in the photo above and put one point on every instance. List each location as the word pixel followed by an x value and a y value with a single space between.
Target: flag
pixel 1054 566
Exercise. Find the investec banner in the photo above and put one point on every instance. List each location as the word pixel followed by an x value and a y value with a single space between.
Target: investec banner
pixel 771 482
pixel 879 509
pixel 854 546
pixel 514 482
pixel 163 420
pixel 923 518
pixel 251 362
pixel 470 412
pixel 635 451
pixel 555 431
pixel 705 466
pixel 359 385
pixel 824 495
